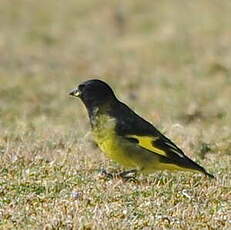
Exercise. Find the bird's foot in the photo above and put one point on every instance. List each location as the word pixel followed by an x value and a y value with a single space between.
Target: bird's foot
pixel 126 175
pixel 129 175
pixel 105 174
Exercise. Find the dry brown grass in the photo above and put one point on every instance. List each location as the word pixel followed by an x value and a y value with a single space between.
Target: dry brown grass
pixel 170 61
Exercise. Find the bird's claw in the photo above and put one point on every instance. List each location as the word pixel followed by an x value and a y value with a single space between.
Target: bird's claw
pixel 126 175
pixel 105 174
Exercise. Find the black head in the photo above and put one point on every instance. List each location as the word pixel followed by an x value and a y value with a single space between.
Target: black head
pixel 94 93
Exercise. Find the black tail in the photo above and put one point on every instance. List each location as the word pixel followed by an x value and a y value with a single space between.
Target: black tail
pixel 208 174
pixel 201 169
pixel 194 165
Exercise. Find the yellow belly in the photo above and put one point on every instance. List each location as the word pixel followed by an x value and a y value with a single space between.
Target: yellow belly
pixel 113 148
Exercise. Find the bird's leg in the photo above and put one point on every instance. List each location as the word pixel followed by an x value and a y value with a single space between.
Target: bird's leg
pixel 128 175
pixel 106 174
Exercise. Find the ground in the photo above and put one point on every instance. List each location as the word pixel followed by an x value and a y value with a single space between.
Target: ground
pixel 169 60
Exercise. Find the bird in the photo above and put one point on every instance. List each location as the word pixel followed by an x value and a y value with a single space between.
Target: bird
pixel 125 137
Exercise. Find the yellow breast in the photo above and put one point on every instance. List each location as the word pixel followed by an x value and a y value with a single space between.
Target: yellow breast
pixel 111 144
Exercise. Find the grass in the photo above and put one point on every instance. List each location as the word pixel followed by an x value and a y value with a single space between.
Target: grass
pixel 169 61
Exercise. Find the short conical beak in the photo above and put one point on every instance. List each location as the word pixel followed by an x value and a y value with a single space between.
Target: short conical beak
pixel 75 92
